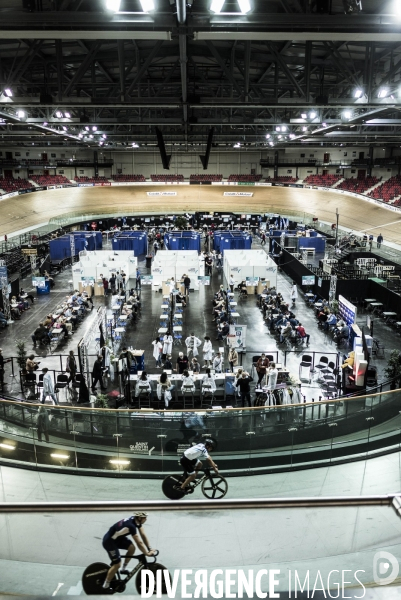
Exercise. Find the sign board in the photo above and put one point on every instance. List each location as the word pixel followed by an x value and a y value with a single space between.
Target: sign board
pixel 319 282
pixel 308 279
pixel 237 337
pixel 204 279
pixel 33 251
pixel 252 281
pixel 3 272
pixel 88 280
pixel 39 282
pixel 248 194
pixel 162 194
pixel 146 279
pixel 346 310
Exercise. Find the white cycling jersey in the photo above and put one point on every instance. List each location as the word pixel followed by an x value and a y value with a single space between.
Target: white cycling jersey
pixel 196 452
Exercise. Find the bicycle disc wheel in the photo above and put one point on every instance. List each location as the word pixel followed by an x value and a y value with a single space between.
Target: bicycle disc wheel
pixel 217 489
pixel 168 487
pixel 93 579
pixel 152 567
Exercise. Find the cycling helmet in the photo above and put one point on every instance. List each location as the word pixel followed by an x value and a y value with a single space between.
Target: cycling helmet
pixel 141 514
pixel 210 443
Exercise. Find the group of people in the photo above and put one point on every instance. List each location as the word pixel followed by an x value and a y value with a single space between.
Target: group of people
pixel 115 283
pixel 280 318
pixel 331 323
pixel 66 317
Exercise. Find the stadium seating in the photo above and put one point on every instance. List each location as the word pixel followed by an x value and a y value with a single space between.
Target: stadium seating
pixel 322 180
pixel 205 177
pixel 245 178
pixel 50 179
pixel 164 178
pixel 91 179
pixel 359 185
pixel 281 179
pixel 9 184
pixel 128 177
pixel 388 190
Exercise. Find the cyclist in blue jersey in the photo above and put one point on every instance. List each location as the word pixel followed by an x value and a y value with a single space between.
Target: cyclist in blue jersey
pixel 117 538
pixel 191 463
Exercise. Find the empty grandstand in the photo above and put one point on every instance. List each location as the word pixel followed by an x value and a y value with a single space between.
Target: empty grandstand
pixel 164 178
pixel 358 185
pixel 322 180
pixel 9 184
pixel 245 178
pixel 128 177
pixel 388 190
pixel 281 179
pixel 205 177
pixel 50 179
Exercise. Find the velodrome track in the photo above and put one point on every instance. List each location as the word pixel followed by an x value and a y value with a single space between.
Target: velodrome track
pixel 28 211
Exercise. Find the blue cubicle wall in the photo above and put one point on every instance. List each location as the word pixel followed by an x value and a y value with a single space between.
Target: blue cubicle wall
pixel 60 248
pixel 231 240
pixel 137 241
pixel 182 240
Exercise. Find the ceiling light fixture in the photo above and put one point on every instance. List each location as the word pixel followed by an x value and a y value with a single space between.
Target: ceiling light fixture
pixel 278 128
pixel 284 128
pixel 86 128
pixel 115 461
pixel 147 5
pixel 382 93
pixel 94 128
pixel 8 92
pixel 20 114
pixel 7 446
pixel 57 455
pixel 304 116
pixel 304 129
pixel 347 114
pixel 216 6
pixel 358 93
pixel 245 6
pixel 312 114
pixel 113 5
pixel 267 136
pixel 59 114
pixel 67 115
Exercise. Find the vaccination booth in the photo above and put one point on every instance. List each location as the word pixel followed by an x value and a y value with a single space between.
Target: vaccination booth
pixel 91 265
pixel 174 263
pixel 60 248
pixel 298 240
pixel 137 241
pixel 251 266
pixel 182 240
pixel 231 240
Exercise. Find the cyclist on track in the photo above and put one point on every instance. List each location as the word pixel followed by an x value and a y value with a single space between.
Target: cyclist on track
pixel 191 463
pixel 117 538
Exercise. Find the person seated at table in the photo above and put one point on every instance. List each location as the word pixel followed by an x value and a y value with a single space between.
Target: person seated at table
pixel 70 315
pixel 143 384
pixel 88 299
pixel 19 305
pixel 331 322
pixel 180 299
pixel 341 334
pixel 126 311
pixel 48 322
pixel 41 335
pixel 31 298
pixel 187 381
pixel 15 312
pixel 31 365
pixel 168 365
pixel 22 304
pixel 286 332
pixel 194 365
pixel 208 384
pixel 322 316
pixel 242 289
pixel 66 326
pixel 223 331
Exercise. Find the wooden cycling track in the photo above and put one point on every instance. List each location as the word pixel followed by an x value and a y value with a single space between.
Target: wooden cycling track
pixel 28 211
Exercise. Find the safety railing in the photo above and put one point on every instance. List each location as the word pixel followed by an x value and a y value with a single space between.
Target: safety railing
pixel 144 442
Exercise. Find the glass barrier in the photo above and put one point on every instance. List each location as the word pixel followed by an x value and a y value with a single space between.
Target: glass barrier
pixel 253 440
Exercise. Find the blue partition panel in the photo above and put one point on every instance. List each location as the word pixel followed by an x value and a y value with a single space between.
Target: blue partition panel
pixel 182 240
pixel 231 240
pixel 137 241
pixel 318 243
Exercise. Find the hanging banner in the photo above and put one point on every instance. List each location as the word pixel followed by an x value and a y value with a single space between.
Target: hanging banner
pixel 237 337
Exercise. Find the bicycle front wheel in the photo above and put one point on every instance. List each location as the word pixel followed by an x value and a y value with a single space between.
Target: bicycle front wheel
pixel 154 567
pixel 214 487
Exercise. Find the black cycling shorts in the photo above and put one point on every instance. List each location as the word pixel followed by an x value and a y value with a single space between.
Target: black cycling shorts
pixel 112 547
pixel 189 465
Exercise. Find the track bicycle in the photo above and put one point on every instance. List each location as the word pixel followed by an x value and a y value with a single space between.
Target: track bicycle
pixel 95 575
pixel 214 486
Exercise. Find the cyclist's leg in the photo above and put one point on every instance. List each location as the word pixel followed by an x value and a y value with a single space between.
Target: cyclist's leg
pixel 126 544
pixel 112 550
pixel 191 473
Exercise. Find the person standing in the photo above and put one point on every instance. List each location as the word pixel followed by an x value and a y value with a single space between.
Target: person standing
pixel 192 343
pixel 379 240
pixel 157 352
pixel 187 283
pixel 273 374
pixel 43 423
pixel 261 367
pixel 243 383
pixel 233 358
pixel 294 293
pixel 112 282
pixel 105 285
pixel 167 343
pixel 138 280
pixel 182 363
pixel 107 362
pixel 207 351
pixel 48 387
pixel 71 367
pixel 370 242
pixel 97 373
pixel 232 284
pixel 1 370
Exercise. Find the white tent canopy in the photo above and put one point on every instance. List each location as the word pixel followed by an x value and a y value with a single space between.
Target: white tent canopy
pixel 103 262
pixel 174 263
pixel 241 264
